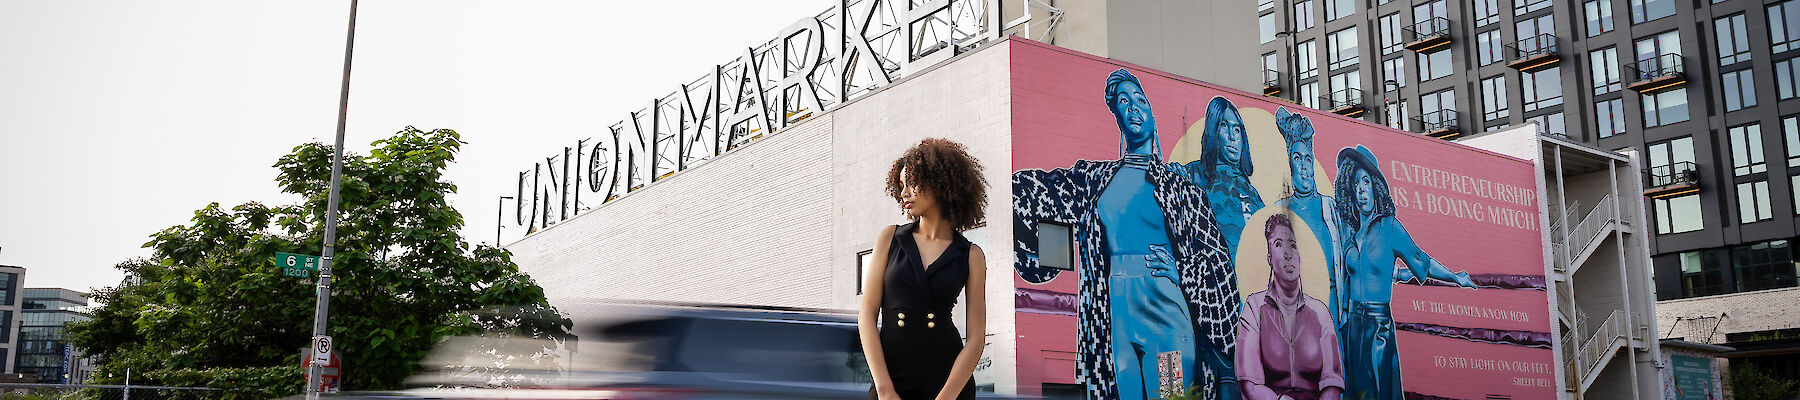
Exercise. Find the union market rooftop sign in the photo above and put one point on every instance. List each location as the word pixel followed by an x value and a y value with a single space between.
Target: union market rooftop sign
pixel 810 67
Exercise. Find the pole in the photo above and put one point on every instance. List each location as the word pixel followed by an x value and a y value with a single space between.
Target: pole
pixel 128 384
pixel 323 308
pixel 499 217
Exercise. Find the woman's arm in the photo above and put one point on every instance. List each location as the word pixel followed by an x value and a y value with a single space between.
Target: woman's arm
pixel 976 322
pixel 869 312
pixel 1249 356
pixel 1420 263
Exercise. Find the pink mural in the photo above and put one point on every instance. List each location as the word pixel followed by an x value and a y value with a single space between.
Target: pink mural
pixel 1203 221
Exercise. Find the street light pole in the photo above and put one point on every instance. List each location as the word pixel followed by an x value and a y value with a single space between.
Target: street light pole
pixel 323 308
pixel 499 217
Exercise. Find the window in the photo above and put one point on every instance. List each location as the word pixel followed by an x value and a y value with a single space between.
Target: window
pixel 1489 44
pixel 1747 150
pixel 1790 132
pixel 1678 214
pixel 1348 80
pixel 1395 70
pixel 1599 17
pixel 1784 26
pixel 1270 63
pixel 1610 116
pixel 1665 108
pixel 864 259
pixel 1701 274
pixel 1309 94
pixel 1665 157
pixel 1521 7
pixel 1753 202
pixel 1766 265
pixel 1396 114
pixel 1794 188
pixel 1651 10
pixel 1434 65
pixel 1341 46
pixel 1605 64
pixel 1651 48
pixel 1335 9
pixel 1265 5
pixel 1308 58
pixel 1787 78
pixel 1553 123
pixel 1493 98
pixel 1542 88
pixel 1390 33
pixel 1734 44
pixel 1265 27
pixel 1486 12
pixel 1426 12
pixel 1530 28
pixel 1739 89
pixel 1303 15
pixel 1432 105
pixel 1056 246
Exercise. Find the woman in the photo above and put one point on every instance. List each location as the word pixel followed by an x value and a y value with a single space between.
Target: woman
pixel 1373 239
pixel 1287 348
pixel 1224 170
pixel 917 353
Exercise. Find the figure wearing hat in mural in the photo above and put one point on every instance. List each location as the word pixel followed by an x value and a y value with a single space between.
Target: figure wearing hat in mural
pixel 1372 240
pixel 1304 200
pixel 1156 281
pixel 1287 345
pixel 1224 170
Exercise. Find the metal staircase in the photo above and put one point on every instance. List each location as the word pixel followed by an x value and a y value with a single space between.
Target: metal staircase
pixel 1571 246
pixel 1584 237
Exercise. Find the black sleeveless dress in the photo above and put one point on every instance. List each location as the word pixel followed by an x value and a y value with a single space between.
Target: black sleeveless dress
pixel 918 335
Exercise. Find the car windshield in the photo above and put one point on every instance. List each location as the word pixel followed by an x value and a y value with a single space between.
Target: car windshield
pixel 774 349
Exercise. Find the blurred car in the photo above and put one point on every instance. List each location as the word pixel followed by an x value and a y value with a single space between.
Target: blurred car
pixel 669 351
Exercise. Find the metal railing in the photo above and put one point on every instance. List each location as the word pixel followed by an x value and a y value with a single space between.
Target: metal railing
pixel 1655 67
pixel 1349 97
pixel 1531 47
pixel 1588 230
pixel 1556 220
pixel 1428 29
pixel 1680 173
pixel 1601 343
pixel 1436 121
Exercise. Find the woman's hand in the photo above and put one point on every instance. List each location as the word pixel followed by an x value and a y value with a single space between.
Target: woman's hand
pixel 886 393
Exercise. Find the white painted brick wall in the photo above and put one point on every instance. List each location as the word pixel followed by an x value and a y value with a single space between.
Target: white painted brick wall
pixel 1743 312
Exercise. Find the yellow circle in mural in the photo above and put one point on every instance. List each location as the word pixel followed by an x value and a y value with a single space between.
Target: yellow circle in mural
pixel 1268 155
pixel 1253 256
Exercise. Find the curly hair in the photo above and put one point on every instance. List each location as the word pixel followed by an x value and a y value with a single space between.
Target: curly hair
pixel 947 171
pixel 1347 208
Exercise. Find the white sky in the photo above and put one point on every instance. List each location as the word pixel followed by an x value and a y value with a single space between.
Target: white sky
pixel 120 118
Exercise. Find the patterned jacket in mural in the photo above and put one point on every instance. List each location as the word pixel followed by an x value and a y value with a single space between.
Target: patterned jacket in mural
pixel 1069 196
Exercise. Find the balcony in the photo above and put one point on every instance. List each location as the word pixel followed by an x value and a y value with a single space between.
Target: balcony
pixel 1673 180
pixel 1427 35
pixel 1271 82
pixel 1533 53
pixel 1347 102
pixel 1440 124
pixel 1656 74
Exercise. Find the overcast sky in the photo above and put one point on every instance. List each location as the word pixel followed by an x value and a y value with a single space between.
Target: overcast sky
pixel 121 118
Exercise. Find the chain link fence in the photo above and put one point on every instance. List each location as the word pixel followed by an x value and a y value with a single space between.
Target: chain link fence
pixel 30 391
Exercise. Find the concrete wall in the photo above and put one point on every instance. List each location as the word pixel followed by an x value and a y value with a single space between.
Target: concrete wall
pixel 1213 41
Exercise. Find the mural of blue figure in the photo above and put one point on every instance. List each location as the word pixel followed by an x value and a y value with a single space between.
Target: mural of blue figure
pixel 1155 275
pixel 1304 200
pixel 1224 170
pixel 1372 240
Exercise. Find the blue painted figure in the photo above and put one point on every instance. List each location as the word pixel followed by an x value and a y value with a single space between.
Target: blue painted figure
pixel 1372 240
pixel 1155 276
pixel 1224 170
pixel 1303 198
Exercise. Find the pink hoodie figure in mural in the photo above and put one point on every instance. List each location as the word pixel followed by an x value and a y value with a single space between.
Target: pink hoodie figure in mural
pixel 1287 345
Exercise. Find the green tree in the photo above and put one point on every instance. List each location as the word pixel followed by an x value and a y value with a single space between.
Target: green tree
pixel 1750 383
pixel 210 308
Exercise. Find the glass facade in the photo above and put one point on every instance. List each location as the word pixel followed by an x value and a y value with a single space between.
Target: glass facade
pixel 42 349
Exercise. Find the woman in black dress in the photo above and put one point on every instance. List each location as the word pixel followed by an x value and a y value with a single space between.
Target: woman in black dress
pixel 917 353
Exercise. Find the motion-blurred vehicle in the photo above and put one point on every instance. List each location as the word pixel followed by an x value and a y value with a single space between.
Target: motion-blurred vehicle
pixel 636 351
